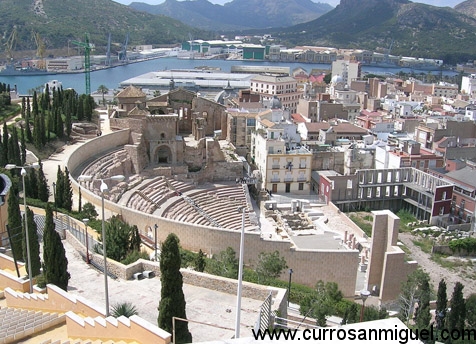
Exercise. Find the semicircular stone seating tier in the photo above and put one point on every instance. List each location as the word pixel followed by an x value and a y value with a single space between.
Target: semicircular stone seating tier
pixel 152 193
pixel 221 204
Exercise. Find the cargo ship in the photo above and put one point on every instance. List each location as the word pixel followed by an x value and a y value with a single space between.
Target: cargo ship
pixel 11 70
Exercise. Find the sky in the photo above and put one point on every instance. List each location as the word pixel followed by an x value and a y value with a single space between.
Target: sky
pixel 450 3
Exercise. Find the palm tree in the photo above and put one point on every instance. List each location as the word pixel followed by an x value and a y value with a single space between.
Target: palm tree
pixel 126 309
pixel 103 90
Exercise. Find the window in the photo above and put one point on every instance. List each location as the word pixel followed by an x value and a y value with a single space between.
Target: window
pixel 301 186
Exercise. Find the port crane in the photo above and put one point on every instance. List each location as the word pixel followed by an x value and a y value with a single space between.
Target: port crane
pixel 10 43
pixel 87 60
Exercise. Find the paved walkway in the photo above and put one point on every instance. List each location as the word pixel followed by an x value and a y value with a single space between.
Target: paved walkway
pixel 203 305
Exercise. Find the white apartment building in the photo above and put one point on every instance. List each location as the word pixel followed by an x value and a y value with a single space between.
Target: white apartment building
pixel 468 85
pixel 284 87
pixel 284 166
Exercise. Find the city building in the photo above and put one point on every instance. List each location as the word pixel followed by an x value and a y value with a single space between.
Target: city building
pixel 284 165
pixel 426 196
pixel 284 87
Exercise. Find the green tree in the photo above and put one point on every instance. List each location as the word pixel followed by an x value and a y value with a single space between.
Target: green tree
pixel 226 264
pixel 103 90
pixel 270 265
pixel 15 222
pixel 88 211
pixel 200 262
pixel 471 311
pixel 322 302
pixel 67 191
pixel 457 314
pixel 54 255
pixel 43 189
pixel 423 317
pixel 172 300
pixel 441 305
pixel 59 192
pixel 23 146
pixel 121 239
pixel 34 244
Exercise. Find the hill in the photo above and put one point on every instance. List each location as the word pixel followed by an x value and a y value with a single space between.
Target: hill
pixel 415 29
pixel 238 14
pixel 467 7
pixel 60 21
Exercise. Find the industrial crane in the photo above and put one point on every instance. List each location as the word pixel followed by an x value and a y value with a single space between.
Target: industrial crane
pixel 40 49
pixel 123 53
pixel 10 44
pixel 87 60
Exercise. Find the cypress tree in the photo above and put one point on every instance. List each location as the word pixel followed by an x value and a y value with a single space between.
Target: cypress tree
pixel 59 193
pixel 441 304
pixel 23 146
pixel 80 112
pixel 67 191
pixel 457 315
pixel 43 189
pixel 5 141
pixel 23 107
pixel 29 135
pixel 59 129
pixel 16 147
pixel 3 158
pixel 14 221
pixel 34 105
pixel 423 317
pixel 54 255
pixel 31 183
pixel 37 132
pixel 172 301
pixel 34 244
pixel 43 129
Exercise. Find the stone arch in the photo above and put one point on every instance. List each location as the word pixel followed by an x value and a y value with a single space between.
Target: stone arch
pixel 163 155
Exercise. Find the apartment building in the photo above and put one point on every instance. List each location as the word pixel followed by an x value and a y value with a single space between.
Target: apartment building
pixel 283 87
pixel 284 165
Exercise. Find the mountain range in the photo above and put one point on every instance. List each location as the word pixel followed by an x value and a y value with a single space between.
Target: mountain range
pixel 238 14
pixel 411 29
pixel 58 22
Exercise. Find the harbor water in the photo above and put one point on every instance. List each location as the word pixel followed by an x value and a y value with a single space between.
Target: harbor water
pixel 112 77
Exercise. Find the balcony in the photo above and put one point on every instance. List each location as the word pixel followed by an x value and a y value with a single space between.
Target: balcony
pixel 288 179
pixel 275 167
pixel 301 179
pixel 275 180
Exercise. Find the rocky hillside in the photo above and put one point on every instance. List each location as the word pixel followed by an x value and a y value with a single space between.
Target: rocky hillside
pixel 238 14
pixel 416 29
pixel 61 21
pixel 467 7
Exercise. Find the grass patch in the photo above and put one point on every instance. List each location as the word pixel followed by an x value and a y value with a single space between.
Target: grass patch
pixel 405 218
pixel 426 245
pixel 450 264
pixel 364 223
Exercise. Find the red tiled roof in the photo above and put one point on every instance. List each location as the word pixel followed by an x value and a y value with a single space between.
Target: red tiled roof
pixel 297 118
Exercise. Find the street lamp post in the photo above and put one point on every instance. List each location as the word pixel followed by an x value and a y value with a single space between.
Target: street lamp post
pixel 27 237
pixel 364 294
pixel 241 210
pixel 103 188
pixel 155 239
pixel 289 285
pixel 85 221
